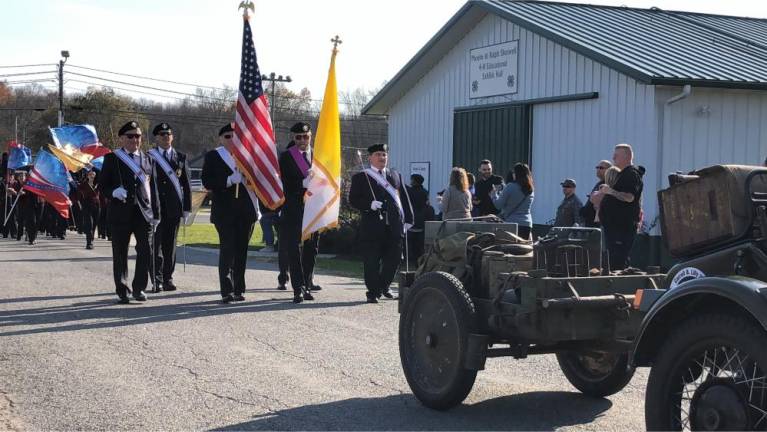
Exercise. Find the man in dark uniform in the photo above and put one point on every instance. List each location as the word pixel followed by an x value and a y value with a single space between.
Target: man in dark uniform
pixel 381 196
pixel 30 209
pixel 234 211
pixel 295 167
pixel 171 175
pixel 126 176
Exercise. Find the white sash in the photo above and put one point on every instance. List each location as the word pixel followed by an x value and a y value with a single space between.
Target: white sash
pixel 229 161
pixel 381 180
pixel 168 170
pixel 141 176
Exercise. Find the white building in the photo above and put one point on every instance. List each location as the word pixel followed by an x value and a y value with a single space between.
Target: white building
pixel 559 85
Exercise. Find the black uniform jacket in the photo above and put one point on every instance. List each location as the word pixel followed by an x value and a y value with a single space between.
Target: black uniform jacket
pixel 171 206
pixel 293 187
pixel 114 174
pixel 225 208
pixel 371 225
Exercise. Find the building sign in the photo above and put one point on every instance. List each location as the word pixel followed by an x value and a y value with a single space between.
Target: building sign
pixel 421 168
pixel 493 70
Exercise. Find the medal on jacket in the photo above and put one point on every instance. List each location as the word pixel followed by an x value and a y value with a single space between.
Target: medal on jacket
pixel 178 172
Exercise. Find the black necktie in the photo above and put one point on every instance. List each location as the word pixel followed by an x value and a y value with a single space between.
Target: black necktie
pixel 306 158
pixel 167 155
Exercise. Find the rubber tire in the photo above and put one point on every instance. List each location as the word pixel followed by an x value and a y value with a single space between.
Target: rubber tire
pixel 466 320
pixel 689 336
pixel 610 384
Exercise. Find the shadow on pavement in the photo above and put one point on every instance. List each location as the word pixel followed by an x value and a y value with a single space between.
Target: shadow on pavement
pixel 526 411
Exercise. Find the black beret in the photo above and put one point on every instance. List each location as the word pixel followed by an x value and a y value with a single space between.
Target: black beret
pixel 162 127
pixel 227 128
pixel 131 125
pixel 301 127
pixel 377 148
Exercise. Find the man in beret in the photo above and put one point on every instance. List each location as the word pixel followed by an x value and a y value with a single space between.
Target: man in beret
pixel 387 213
pixel 296 171
pixel 126 177
pixel 234 212
pixel 171 174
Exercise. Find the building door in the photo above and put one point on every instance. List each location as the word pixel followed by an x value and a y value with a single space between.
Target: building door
pixel 500 134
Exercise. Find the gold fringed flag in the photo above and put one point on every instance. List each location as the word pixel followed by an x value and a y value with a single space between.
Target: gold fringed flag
pixel 323 196
pixel 73 159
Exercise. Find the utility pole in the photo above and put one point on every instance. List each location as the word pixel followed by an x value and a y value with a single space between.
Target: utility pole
pixel 65 54
pixel 274 79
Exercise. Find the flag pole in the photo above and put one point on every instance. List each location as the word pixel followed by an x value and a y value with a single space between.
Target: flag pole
pixel 11 210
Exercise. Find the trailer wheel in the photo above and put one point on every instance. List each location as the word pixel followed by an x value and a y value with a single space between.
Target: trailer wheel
pixel 596 374
pixel 710 374
pixel 433 335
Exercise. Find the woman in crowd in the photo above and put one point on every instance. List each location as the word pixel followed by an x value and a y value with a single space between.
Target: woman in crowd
pixel 515 201
pixel 456 201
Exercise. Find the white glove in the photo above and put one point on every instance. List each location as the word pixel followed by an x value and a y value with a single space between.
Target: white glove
pixel 408 226
pixel 186 217
pixel 234 179
pixel 308 179
pixel 376 205
pixel 120 193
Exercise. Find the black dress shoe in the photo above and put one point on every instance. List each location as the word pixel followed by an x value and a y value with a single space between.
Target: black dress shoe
pixel 388 294
pixel 157 288
pixel 297 298
pixel 239 298
pixel 316 288
pixel 307 294
pixel 282 288
pixel 89 246
pixel 169 286
pixel 372 299
pixel 123 300
pixel 227 299
pixel 139 296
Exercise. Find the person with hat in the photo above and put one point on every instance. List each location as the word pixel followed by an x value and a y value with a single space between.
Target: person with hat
pixel 569 210
pixel 126 177
pixel 296 172
pixel 381 197
pixel 171 175
pixel 234 212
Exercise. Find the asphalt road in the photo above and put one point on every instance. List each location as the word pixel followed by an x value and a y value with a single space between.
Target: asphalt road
pixel 70 358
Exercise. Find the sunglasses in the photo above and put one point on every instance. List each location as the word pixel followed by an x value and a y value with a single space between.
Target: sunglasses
pixel 165 134
pixel 302 137
pixel 228 136
pixel 133 136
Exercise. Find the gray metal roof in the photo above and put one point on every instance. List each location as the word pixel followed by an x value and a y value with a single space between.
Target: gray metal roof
pixel 651 45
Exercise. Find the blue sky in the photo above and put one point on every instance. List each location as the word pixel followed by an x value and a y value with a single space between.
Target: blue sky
pixel 198 41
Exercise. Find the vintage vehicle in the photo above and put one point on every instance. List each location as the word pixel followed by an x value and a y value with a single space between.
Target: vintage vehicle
pixel 704 333
pixel 482 292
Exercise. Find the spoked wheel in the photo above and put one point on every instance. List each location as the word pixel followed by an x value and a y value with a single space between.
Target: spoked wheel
pixel 437 318
pixel 596 374
pixel 710 375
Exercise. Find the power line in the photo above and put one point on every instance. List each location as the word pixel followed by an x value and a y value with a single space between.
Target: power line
pixel 149 78
pixel 22 66
pixel 151 88
pixel 26 73
pixel 123 89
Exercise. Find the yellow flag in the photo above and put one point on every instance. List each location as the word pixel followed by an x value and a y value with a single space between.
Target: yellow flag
pixel 323 196
pixel 73 159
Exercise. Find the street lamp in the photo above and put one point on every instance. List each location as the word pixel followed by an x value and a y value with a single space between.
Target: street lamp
pixel 65 54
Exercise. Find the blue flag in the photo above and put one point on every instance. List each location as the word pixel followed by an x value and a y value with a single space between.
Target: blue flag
pixel 19 156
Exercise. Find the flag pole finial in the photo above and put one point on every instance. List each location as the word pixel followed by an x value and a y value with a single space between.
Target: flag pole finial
pixel 245 5
pixel 336 41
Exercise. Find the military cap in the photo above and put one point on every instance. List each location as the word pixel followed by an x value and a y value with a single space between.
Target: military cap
pixel 568 183
pixel 162 127
pixel 377 148
pixel 127 127
pixel 227 128
pixel 301 127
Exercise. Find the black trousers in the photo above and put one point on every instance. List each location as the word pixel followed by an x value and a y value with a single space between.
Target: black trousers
pixel 10 227
pixel 121 234
pixel 619 243
pixel 103 225
pixel 90 217
pixel 415 244
pixel 301 256
pixel 30 224
pixel 381 260
pixel 165 249
pixel 233 238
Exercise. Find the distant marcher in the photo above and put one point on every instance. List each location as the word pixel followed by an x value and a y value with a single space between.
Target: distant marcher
pixel 456 201
pixel 88 194
pixel 619 211
pixel 569 210
pixel 515 201
pixel 588 213
pixel 419 198
pixel 482 188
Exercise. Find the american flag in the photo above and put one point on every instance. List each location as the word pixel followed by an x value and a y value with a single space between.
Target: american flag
pixel 254 146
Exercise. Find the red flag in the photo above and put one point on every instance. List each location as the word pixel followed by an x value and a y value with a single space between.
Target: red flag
pixel 254 146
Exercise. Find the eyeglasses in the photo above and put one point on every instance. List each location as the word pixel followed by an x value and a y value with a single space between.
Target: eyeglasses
pixel 165 134
pixel 133 136
pixel 302 137
pixel 228 136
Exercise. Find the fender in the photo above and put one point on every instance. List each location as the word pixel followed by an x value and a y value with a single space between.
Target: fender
pixel 748 293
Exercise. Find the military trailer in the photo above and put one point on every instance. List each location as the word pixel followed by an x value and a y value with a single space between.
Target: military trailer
pixel 480 291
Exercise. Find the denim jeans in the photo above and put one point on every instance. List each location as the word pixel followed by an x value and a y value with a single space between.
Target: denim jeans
pixel 267 227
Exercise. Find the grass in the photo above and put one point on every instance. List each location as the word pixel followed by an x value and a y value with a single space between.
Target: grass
pixel 205 236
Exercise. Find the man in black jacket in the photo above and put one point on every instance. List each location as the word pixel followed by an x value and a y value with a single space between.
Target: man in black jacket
pixel 126 176
pixel 171 175
pixel 380 196
pixel 295 169
pixel 234 211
